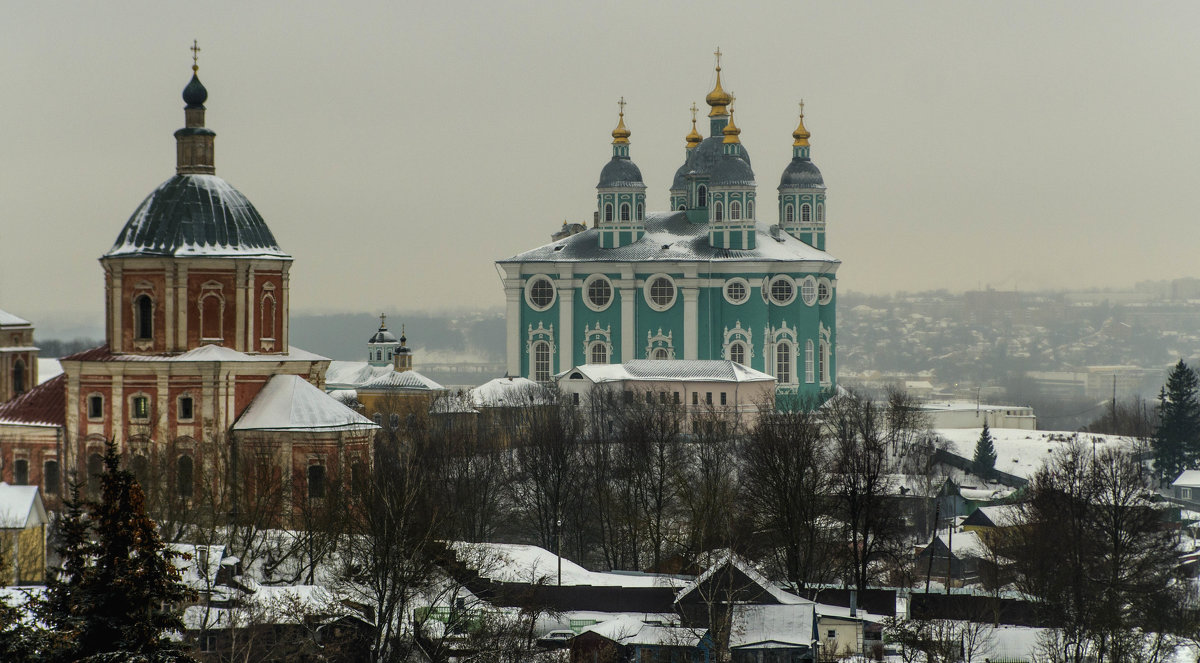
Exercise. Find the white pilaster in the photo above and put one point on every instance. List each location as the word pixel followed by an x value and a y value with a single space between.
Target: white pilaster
pixel 512 295
pixel 691 323
pixel 566 320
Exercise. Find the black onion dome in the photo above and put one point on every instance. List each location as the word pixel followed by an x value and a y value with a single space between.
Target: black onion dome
pixel 196 215
pixel 732 171
pixel 801 174
pixel 707 154
pixel 383 336
pixel 620 172
pixel 194 95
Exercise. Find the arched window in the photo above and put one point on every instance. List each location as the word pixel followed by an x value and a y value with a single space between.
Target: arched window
pixel 820 213
pixel 702 196
pixel 184 476
pixel 18 378
pixel 783 362
pixel 641 211
pixel 735 210
pixel 823 357
pixel 661 353
pixel 267 328
pixel 599 353
pixel 737 353
pixel 750 209
pixel 808 362
pixel 211 312
pixel 379 355
pixel 789 213
pixel 718 211
pixel 316 482
pixel 50 477
pixel 95 467
pixel 682 207
pixel 624 211
pixel 140 468
pixel 541 361
pixel 608 212
pixel 21 472
pixel 805 213
pixel 143 323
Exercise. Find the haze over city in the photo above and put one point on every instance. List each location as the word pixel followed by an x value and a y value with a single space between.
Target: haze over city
pixel 397 150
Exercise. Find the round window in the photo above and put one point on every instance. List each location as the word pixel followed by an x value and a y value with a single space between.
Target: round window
pixel 539 292
pixel 599 292
pixel 824 290
pixel 808 290
pixel 660 292
pixel 737 291
pixel 782 290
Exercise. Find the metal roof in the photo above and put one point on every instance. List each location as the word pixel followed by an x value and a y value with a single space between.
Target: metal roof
pixel 196 215
pixel 801 174
pixel 44 405
pixel 670 370
pixel 620 172
pixel 670 237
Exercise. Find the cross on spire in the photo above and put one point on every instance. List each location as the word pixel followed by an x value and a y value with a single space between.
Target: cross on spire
pixel 694 109
pixel 621 103
pixel 718 54
pixel 801 109
pixel 195 49
pixel 383 320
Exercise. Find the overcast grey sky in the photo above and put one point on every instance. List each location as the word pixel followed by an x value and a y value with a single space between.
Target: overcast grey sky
pixel 397 149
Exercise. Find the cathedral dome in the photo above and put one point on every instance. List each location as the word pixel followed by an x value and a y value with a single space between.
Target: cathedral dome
pixel 196 215
pixel 194 95
pixel 801 174
pixel 705 157
pixel 620 172
pixel 383 336
pixel 732 171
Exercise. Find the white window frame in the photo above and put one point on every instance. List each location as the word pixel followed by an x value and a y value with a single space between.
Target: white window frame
pixel 808 290
pixel 824 282
pixel 646 287
pixel 534 371
pixel 810 373
pixel 769 285
pixel 529 292
pixel 587 299
pixel 745 290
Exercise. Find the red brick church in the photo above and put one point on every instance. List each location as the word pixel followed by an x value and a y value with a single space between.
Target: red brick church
pixel 197 361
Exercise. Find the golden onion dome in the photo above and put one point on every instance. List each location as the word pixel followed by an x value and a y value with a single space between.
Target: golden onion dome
pixel 731 131
pixel 621 133
pixel 718 98
pixel 801 134
pixel 694 138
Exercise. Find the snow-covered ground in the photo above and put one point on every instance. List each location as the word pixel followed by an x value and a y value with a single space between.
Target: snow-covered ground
pixel 513 562
pixel 1022 452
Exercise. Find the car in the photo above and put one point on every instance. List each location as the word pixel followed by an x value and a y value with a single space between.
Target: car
pixel 556 639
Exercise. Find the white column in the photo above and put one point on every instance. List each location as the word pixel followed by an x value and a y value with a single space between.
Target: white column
pixel 251 309
pixel 168 300
pixel 691 327
pixel 512 295
pixel 628 320
pixel 181 306
pixel 239 307
pixel 118 402
pixel 116 310
pixel 566 320
pixel 161 408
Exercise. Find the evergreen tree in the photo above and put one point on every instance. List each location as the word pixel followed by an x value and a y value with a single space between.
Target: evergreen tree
pixel 129 592
pixel 1177 440
pixel 985 454
pixel 57 610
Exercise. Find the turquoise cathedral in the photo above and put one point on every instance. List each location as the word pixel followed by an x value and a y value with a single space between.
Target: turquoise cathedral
pixel 710 279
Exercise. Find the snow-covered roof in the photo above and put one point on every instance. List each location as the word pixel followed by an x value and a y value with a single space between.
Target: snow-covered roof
pixel 200 571
pixel 1022 452
pixel 521 563
pixel 730 558
pixel 9 320
pixel 1000 515
pixel 509 392
pixel 21 507
pixel 966 544
pixel 200 354
pixel 631 630
pixel 402 381
pixel 668 370
pixel 1188 479
pixel 290 403
pixel 670 237
pixel 756 626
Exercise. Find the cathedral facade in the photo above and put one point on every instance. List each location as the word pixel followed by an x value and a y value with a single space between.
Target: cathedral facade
pixel 708 279
pixel 197 362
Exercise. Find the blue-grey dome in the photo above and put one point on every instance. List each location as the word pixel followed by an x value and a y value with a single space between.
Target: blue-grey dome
pixel 383 336
pixel 620 172
pixel 732 171
pixel 196 215
pixel 801 174
pixel 680 181
pixel 706 155
pixel 194 95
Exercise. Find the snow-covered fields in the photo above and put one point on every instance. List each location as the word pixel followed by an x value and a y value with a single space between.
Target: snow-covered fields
pixel 1022 452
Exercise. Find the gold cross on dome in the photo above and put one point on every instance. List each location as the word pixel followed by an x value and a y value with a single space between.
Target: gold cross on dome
pixel 621 103
pixel 718 54
pixel 382 319
pixel 195 49
pixel 801 109
pixel 694 109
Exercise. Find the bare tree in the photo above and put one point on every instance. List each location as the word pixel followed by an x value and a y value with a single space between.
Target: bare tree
pixel 545 467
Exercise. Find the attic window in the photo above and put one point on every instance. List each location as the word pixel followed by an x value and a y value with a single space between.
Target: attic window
pixel 559 247
pixel 576 376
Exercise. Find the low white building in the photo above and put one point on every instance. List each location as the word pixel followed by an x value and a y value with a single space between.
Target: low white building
pixel 967 414
pixel 702 387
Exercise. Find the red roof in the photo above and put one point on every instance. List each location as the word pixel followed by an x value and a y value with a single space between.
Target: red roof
pixel 45 405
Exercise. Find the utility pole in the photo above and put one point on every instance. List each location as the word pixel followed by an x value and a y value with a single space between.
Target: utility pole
pixel 558 535
pixel 937 510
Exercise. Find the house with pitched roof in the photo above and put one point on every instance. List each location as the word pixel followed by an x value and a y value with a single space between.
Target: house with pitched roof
pixel 23 522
